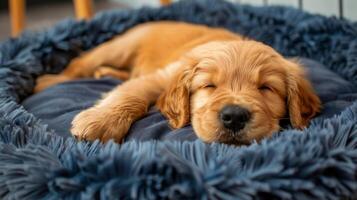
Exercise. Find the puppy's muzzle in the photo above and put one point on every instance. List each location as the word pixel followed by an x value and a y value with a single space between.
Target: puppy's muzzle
pixel 234 117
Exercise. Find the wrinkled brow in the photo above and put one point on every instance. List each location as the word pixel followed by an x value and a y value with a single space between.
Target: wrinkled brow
pixel 206 65
pixel 204 74
pixel 274 77
pixel 201 79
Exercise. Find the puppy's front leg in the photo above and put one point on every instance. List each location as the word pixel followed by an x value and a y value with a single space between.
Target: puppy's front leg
pixel 112 117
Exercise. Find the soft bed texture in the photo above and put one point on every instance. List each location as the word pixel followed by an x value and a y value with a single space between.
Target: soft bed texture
pixel 319 162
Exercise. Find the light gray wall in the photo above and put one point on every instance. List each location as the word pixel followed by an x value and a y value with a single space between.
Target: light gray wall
pixel 339 8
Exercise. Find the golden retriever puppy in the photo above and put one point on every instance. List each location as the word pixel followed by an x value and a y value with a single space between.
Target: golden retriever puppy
pixel 231 89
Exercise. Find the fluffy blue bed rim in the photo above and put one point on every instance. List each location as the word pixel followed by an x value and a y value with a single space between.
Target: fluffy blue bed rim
pixel 319 162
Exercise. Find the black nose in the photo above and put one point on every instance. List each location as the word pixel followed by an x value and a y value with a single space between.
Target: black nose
pixel 234 117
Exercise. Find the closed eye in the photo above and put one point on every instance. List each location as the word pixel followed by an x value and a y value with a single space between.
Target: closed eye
pixel 265 88
pixel 209 86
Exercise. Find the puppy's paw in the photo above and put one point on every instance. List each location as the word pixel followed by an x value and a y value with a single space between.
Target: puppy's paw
pixel 49 80
pixel 95 123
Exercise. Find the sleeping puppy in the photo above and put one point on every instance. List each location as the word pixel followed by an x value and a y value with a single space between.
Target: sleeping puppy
pixel 231 89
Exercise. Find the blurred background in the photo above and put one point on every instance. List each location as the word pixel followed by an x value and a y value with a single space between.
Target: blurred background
pixel 44 13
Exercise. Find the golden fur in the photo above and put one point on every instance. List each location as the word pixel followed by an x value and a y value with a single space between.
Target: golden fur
pixel 191 72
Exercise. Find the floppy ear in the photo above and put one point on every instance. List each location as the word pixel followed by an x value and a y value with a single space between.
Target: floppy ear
pixel 174 102
pixel 302 101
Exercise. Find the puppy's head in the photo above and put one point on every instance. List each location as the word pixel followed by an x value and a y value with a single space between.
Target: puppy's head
pixel 235 92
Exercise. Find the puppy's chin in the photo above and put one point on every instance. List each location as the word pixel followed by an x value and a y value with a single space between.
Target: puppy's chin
pixel 233 138
pixel 225 136
pixel 245 136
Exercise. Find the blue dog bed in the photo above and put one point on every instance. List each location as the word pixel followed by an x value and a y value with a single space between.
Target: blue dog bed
pixel 38 159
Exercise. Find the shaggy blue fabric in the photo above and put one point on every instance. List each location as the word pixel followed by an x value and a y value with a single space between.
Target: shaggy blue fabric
pixel 319 162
